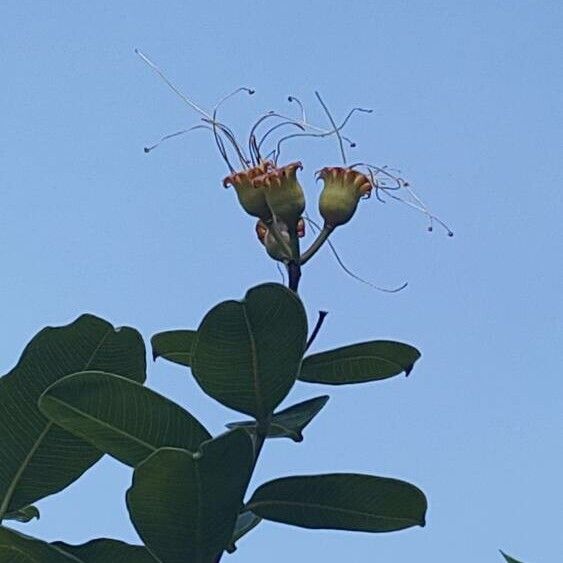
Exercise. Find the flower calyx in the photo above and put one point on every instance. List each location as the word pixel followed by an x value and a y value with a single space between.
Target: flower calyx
pixel 283 193
pixel 252 200
pixel 343 189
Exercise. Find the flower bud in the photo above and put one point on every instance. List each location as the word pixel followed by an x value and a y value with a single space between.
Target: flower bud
pixel 343 188
pixel 252 200
pixel 283 192
pixel 274 249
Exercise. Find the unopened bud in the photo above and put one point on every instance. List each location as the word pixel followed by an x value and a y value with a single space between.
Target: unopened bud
pixel 273 247
pixel 343 189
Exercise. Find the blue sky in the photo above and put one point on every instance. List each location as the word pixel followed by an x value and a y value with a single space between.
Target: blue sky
pixel 467 103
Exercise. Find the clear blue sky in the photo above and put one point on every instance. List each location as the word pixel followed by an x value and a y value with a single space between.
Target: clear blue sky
pixel 468 103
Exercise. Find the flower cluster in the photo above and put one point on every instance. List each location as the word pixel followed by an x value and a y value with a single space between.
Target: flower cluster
pixel 272 193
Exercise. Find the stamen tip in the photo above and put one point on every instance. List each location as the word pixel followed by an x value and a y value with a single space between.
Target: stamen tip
pixel 430 229
pixel 450 233
pixel 147 150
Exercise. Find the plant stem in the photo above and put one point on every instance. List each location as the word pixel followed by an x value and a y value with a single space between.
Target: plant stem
pixel 320 321
pixel 294 265
pixel 316 245
pixel 294 274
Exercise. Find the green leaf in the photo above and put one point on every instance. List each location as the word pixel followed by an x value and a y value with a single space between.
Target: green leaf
pixel 341 501
pixel 184 505
pixel 120 417
pixel 247 353
pixel 16 547
pixel 38 458
pixel 23 515
pixel 174 345
pixel 358 363
pixel 508 558
pixel 246 521
pixel 107 551
pixel 290 422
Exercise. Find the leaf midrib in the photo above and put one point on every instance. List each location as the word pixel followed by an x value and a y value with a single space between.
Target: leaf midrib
pixel 252 505
pixel 104 424
pixel 320 363
pixel 14 483
pixel 255 374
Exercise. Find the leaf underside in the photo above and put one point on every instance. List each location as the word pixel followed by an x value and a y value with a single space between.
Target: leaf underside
pixel 248 353
pixel 359 363
pixel 341 501
pixel 38 458
pixel 184 505
pixel 290 422
pixel 120 417
pixel 175 346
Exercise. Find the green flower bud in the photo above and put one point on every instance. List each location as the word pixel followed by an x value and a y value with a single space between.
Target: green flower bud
pixel 273 248
pixel 343 188
pixel 252 199
pixel 283 192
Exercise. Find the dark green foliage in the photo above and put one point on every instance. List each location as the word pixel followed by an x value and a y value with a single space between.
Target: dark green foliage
pixel 290 422
pixel 368 361
pixel 16 547
pixel 175 346
pixel 247 353
pixel 341 501
pixel 38 458
pixel 19 548
pixel 26 514
pixel 246 521
pixel 78 393
pixel 120 417
pixel 184 505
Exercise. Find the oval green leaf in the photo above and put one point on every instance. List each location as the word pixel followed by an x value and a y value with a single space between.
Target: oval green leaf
pixel 185 505
pixel 341 501
pixel 359 363
pixel 247 353
pixel 38 458
pixel 290 422
pixel 107 551
pixel 119 416
pixel 174 345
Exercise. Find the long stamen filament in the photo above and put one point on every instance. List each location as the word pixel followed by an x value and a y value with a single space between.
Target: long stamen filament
pixel 187 100
pixel 333 123
pixel 172 135
pixel 315 226
pixel 301 106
